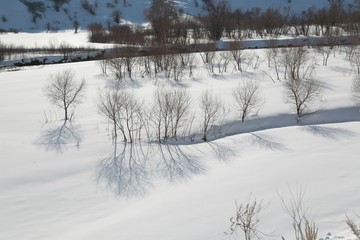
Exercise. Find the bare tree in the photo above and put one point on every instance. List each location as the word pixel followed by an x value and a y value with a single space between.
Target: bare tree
pixel 355 61
pixel 273 54
pixel 294 60
pixel 247 219
pixel 109 106
pixel 171 111
pixel 247 98
pixel 118 68
pixel 304 229
pixel 237 54
pixel 124 111
pixel 325 51
pixel 301 87
pixel 116 15
pixel 356 89
pixel 302 93
pixel 162 14
pixel 217 18
pixel 223 61
pixel 211 108
pixel 208 58
pixel 64 91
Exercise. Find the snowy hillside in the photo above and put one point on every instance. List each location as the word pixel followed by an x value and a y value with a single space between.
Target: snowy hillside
pixel 14 14
pixel 72 182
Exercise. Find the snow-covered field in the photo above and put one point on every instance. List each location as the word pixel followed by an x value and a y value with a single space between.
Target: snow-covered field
pixel 73 188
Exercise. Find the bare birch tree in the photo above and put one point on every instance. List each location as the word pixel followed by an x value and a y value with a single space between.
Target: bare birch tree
pixel 124 111
pixel 64 91
pixel 211 108
pixel 247 98
pixel 170 112
pixel 302 89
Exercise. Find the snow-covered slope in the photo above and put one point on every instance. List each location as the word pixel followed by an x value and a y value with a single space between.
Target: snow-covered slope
pixel 74 188
pixel 14 14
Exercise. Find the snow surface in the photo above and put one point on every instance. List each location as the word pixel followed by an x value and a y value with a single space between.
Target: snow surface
pixel 71 188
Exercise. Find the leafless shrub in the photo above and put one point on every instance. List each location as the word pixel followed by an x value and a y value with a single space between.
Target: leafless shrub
pixel 97 33
pixel 3 51
pixel 118 68
pixel 59 3
pixel 64 91
pixel 237 54
pixel 304 229
pixel 354 227
pixel 89 7
pixel 273 55
pixel 174 66
pixel 103 64
pixel 247 98
pixel 247 219
pixel 116 15
pixel 355 61
pixel 189 60
pixel 208 59
pixel 325 52
pixel 223 61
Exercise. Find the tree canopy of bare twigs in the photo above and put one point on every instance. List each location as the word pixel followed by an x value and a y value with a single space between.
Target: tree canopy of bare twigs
pixel 64 91
pixel 170 112
pixel 162 14
pixel 302 89
pixel 304 228
pixel 211 108
pixel 124 111
pixel 354 227
pixel 247 98
pixel 247 219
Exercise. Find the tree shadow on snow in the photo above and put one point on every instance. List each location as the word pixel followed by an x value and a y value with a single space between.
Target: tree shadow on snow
pixel 329 132
pixel 267 142
pixel 57 138
pixel 175 165
pixel 125 171
pixel 131 169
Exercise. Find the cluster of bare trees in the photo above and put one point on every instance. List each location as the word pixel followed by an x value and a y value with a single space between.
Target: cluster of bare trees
pixel 170 27
pixel 171 115
pixel 172 66
pixel 124 111
pixel 170 112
